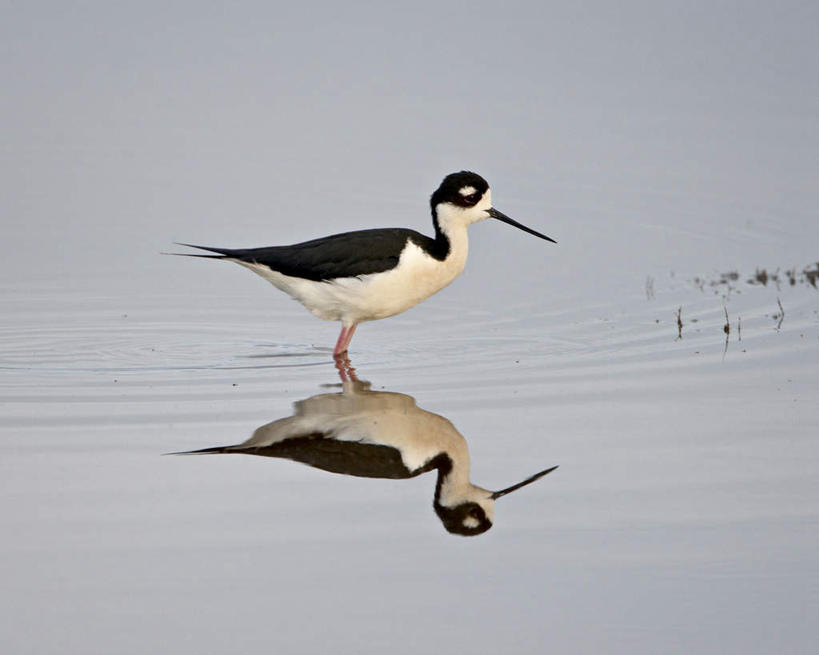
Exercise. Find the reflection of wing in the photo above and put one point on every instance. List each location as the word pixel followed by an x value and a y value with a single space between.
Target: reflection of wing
pixel 363 460
pixel 376 421
pixel 361 433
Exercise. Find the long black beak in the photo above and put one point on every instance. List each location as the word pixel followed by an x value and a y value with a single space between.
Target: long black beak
pixel 517 486
pixel 494 213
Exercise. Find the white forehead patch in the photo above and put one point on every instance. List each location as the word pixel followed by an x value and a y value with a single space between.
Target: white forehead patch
pixel 471 522
pixel 467 190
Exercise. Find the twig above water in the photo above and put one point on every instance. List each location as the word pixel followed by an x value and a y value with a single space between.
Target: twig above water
pixel 727 329
pixel 679 323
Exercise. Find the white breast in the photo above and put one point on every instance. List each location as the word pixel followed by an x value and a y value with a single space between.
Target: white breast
pixel 379 295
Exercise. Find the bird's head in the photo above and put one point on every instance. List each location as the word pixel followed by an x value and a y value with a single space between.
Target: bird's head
pixel 465 198
pixel 470 511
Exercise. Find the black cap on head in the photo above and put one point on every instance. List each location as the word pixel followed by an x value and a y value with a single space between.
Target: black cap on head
pixel 450 188
pixel 467 519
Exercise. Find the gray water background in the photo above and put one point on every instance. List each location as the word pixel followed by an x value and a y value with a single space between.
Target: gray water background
pixel 657 143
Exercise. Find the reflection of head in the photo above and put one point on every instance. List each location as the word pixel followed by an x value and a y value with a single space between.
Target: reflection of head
pixel 468 519
pixel 465 508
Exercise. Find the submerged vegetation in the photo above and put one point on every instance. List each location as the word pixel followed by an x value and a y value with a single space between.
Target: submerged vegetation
pixel 732 282
pixel 809 275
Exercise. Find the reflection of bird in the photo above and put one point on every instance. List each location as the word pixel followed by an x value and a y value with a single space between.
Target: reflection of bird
pixel 371 274
pixel 378 434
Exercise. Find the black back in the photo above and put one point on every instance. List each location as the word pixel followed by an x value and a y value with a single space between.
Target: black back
pixel 345 457
pixel 355 458
pixel 350 254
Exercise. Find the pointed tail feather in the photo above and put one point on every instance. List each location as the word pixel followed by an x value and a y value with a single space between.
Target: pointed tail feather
pixel 204 451
pixel 224 253
pixel 227 252
pixel 187 254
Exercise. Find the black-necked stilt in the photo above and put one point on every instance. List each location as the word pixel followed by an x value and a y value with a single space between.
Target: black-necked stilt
pixel 379 434
pixel 372 274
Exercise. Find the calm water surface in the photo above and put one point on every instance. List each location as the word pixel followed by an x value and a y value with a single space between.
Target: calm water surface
pixel 684 505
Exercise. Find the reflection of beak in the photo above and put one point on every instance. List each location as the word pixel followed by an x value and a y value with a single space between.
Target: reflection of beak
pixel 517 486
pixel 494 213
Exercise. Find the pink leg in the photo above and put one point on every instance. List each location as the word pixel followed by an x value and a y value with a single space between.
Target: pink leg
pixel 344 340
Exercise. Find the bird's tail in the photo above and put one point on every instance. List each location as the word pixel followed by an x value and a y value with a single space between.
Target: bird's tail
pixel 223 253
pixel 204 451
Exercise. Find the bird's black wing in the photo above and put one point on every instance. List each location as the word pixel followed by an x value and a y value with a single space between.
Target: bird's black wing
pixel 355 458
pixel 342 255
pixel 322 451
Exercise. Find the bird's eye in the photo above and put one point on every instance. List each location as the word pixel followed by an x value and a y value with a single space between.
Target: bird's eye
pixel 472 198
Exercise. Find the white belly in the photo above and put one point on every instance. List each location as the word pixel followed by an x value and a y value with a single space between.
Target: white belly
pixel 375 296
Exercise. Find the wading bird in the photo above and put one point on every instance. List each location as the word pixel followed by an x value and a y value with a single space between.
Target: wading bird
pixel 371 274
